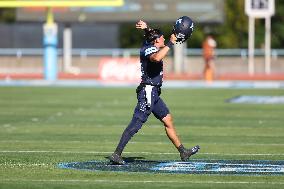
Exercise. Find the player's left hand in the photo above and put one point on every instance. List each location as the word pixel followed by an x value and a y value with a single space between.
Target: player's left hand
pixel 173 38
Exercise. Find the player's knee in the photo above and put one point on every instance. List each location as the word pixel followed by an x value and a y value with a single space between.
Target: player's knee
pixel 132 131
pixel 168 118
pixel 168 121
pixel 134 126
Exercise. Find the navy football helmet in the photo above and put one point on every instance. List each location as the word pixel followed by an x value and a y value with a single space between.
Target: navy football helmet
pixel 183 28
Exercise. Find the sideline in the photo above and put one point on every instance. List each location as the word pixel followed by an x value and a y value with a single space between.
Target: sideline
pixel 153 153
pixel 166 84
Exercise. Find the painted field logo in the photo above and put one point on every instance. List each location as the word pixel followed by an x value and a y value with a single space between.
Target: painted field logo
pixel 220 168
pixel 252 167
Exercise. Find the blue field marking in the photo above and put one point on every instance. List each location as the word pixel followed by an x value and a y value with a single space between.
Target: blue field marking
pixel 245 99
pixel 227 167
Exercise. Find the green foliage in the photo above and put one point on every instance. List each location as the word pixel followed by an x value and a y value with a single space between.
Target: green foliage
pixel 130 37
pixel 233 33
pixel 277 34
pixel 7 15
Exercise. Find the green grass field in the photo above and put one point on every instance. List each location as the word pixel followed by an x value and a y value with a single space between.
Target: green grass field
pixel 43 126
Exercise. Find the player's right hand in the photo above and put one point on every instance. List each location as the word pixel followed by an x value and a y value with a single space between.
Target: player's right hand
pixel 141 25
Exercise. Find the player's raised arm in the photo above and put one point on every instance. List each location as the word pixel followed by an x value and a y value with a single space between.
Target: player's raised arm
pixel 156 57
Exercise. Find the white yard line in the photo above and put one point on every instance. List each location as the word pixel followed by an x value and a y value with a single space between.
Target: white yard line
pixel 25 164
pixel 138 181
pixel 153 153
pixel 131 142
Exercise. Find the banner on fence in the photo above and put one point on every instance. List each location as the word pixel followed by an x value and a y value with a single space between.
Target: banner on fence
pixel 120 70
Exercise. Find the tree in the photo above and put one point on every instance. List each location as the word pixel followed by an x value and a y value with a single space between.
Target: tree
pixel 7 15
pixel 233 33
pixel 277 37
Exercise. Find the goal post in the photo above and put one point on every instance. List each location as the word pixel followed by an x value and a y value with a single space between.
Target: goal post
pixel 263 9
pixel 50 29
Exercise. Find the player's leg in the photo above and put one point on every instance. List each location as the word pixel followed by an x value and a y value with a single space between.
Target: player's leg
pixel 128 133
pixel 140 116
pixel 161 112
pixel 172 135
pixel 170 130
pixel 205 68
pixel 208 71
pixel 212 67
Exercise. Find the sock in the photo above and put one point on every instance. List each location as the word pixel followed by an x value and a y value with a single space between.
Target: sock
pixel 181 149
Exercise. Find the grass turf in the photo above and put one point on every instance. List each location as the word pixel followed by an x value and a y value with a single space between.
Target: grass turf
pixel 41 127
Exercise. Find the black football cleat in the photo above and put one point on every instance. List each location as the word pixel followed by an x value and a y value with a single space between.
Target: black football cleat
pixel 184 156
pixel 116 159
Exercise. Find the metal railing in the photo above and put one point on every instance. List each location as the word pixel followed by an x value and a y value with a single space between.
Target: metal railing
pixel 19 52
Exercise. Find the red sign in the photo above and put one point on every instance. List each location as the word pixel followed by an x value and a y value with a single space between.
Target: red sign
pixel 120 70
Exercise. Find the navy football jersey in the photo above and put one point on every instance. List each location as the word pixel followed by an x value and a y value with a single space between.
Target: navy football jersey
pixel 152 72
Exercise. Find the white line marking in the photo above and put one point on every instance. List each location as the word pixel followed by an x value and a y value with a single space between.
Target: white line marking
pixel 154 153
pixel 131 142
pixel 25 164
pixel 140 181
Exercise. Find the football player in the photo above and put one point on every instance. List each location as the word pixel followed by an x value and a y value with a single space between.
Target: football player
pixel 148 92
